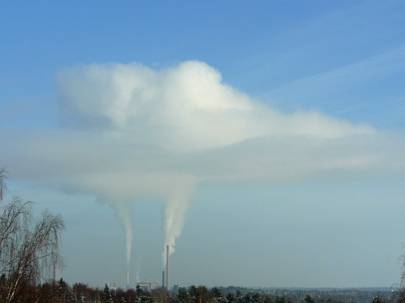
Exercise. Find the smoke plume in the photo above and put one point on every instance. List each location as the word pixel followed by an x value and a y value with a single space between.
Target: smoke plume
pixel 129 131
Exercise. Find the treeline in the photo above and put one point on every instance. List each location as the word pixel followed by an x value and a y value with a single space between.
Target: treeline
pixel 61 292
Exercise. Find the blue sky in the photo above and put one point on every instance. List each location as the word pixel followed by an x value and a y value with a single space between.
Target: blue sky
pixel 258 48
pixel 345 59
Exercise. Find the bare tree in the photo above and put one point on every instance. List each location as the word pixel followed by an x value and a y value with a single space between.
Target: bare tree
pixel 28 251
pixel 2 183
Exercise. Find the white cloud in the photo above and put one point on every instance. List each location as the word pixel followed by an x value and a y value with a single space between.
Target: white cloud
pixel 187 107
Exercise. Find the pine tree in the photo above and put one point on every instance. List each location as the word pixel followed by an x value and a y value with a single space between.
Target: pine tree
pixel 107 295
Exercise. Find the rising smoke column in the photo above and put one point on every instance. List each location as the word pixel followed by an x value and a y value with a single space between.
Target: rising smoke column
pixel 124 214
pixel 175 212
pixel 173 188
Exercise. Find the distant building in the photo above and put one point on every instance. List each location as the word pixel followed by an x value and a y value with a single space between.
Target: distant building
pixel 145 286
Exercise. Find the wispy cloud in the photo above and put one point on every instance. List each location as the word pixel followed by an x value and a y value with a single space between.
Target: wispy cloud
pixel 352 88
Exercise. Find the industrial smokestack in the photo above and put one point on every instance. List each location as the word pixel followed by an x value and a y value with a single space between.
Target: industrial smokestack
pixel 167 267
pixel 163 279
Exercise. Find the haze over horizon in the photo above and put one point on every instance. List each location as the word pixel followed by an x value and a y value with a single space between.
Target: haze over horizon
pixel 264 143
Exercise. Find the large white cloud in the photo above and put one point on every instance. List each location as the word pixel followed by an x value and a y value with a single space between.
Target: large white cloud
pixel 183 108
pixel 129 130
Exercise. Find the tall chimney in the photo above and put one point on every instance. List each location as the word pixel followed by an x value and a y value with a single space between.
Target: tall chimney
pixel 163 279
pixel 167 267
